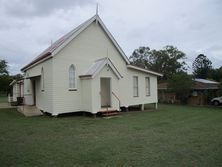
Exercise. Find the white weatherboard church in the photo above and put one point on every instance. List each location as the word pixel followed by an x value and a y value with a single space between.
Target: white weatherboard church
pixel 86 70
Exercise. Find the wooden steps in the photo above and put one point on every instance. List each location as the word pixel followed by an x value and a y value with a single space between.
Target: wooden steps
pixel 108 113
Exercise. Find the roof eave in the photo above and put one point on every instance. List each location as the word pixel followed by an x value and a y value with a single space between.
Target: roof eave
pixel 85 76
pixel 94 18
pixel 12 83
pixel 144 70
pixel 37 61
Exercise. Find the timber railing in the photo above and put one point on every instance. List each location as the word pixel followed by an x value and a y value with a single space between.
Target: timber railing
pixel 116 98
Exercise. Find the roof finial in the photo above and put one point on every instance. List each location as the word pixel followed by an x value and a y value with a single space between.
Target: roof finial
pixel 97 8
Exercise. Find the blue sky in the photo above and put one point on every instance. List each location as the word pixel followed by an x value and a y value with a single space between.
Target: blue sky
pixel 28 26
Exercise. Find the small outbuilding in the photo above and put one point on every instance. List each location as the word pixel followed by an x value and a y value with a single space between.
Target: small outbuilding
pixel 15 97
pixel 202 92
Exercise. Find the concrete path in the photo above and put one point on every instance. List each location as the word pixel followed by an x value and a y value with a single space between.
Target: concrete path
pixel 29 111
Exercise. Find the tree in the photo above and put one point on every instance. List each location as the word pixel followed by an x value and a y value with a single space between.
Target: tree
pixel 17 77
pixel 141 56
pixel 168 60
pixel 216 74
pixel 3 67
pixel 202 67
pixel 5 79
pixel 4 83
pixel 181 84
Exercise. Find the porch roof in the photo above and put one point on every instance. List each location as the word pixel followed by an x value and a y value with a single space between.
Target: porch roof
pixel 19 81
pixel 97 66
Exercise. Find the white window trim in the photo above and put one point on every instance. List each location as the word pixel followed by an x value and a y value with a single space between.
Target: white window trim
pixel 136 86
pixel 74 83
pixel 147 86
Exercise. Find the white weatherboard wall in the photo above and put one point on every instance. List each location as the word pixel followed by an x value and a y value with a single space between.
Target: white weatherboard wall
pixel 28 92
pixel 43 98
pixel 142 98
pixel 15 92
pixel 86 87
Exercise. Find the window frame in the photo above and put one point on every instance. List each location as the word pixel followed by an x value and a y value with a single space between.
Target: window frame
pixel 147 86
pixel 72 78
pixel 135 86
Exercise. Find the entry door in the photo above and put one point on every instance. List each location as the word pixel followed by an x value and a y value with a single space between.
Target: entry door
pixel 105 92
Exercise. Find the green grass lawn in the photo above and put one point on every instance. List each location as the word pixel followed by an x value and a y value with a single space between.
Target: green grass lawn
pixel 173 136
pixel 3 99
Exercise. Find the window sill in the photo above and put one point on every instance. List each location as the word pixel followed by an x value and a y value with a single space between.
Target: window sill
pixel 135 96
pixel 72 89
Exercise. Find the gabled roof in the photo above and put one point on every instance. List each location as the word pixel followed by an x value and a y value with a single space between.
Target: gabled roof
pixel 205 84
pixel 97 66
pixel 144 70
pixel 63 41
pixel 16 82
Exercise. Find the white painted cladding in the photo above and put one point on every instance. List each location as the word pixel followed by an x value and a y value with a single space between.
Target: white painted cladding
pixel 90 45
pixel 15 92
pixel 43 98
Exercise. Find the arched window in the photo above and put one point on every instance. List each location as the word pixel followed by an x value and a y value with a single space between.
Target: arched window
pixel 72 77
pixel 42 80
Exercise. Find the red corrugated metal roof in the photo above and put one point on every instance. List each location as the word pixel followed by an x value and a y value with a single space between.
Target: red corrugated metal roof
pixel 46 53
pixel 197 85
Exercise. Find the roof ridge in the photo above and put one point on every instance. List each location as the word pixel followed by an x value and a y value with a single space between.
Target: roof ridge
pixel 64 40
pixel 49 50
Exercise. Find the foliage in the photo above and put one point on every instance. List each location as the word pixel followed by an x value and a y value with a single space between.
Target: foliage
pixel 4 83
pixel 167 61
pixel 5 78
pixel 141 57
pixel 216 74
pixel 202 67
pixel 181 83
pixel 17 77
pixel 3 67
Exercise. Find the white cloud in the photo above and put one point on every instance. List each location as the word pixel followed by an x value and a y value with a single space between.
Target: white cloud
pixel 194 27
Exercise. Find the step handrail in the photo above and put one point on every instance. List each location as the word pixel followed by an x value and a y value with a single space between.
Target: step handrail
pixel 116 98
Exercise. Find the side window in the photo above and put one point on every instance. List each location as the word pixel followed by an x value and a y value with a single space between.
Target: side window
pixel 42 80
pixel 72 78
pixel 147 86
pixel 135 86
